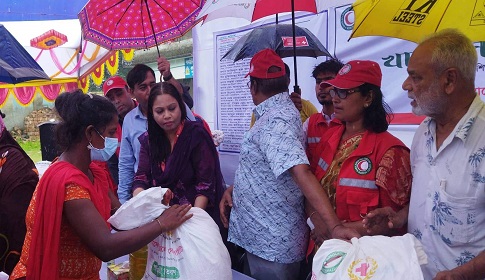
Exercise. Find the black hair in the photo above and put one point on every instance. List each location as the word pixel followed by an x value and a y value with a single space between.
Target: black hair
pixel 270 86
pixel 287 70
pixel 77 111
pixel 378 115
pixel 332 66
pixel 138 74
pixel 160 147
pixel 2 114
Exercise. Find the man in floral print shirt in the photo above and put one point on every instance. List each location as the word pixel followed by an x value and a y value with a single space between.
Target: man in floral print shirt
pixel 447 209
pixel 267 217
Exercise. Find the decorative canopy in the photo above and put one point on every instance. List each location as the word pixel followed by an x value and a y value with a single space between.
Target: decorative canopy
pixel 48 40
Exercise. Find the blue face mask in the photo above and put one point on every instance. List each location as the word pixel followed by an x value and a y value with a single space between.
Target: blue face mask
pixel 104 154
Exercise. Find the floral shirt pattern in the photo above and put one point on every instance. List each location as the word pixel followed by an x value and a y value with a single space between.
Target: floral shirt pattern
pixel 267 218
pixel 447 208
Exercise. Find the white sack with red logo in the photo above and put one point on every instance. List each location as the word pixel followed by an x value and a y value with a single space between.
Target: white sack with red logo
pixel 370 257
pixel 194 250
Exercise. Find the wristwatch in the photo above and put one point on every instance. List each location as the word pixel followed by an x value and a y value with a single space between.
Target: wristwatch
pixel 169 77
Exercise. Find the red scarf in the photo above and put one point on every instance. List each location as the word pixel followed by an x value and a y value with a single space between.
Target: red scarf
pixel 43 262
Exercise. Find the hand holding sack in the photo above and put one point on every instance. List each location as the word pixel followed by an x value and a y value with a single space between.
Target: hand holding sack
pixel 370 257
pixel 192 251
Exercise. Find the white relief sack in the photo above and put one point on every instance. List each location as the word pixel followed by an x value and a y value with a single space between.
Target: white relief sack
pixel 370 257
pixel 194 250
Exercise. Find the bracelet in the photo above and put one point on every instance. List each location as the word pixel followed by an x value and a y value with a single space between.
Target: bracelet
pixel 168 78
pixel 312 214
pixel 160 224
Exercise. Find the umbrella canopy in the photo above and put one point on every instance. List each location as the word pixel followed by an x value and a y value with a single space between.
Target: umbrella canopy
pixel 413 19
pixel 256 9
pixel 16 64
pixel 278 37
pixel 252 9
pixel 137 24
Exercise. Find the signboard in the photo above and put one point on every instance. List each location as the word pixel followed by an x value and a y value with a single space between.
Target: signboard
pixel 189 67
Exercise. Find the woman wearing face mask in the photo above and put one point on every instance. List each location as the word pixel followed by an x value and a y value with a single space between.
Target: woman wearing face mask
pixel 67 233
pixel 178 154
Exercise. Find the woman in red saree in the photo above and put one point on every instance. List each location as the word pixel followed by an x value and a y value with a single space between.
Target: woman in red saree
pixel 67 233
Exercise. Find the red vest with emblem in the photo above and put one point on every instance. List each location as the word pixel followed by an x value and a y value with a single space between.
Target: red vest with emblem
pixel 317 126
pixel 356 189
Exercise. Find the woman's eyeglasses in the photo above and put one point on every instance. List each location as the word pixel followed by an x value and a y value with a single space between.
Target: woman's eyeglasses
pixel 342 93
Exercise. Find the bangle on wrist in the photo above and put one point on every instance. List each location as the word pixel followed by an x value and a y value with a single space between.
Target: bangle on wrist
pixel 312 214
pixel 169 77
pixel 160 224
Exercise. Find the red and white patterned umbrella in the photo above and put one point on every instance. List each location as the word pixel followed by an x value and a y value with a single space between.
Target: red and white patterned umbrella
pixel 137 24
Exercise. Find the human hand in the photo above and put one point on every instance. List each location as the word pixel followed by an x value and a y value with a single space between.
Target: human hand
pixel 320 232
pixel 163 66
pixel 225 206
pixel 342 232
pixel 174 217
pixel 296 98
pixel 167 197
pixel 378 219
pixel 449 275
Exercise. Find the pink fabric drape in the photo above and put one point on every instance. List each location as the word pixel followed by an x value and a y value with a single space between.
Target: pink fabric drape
pixel 24 94
pixel 3 95
pixel 50 91
pixel 70 86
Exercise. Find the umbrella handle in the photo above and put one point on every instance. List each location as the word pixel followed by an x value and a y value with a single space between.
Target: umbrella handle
pixel 294 45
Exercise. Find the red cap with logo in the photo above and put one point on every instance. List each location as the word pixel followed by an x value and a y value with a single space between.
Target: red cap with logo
pixel 114 82
pixel 356 73
pixel 262 61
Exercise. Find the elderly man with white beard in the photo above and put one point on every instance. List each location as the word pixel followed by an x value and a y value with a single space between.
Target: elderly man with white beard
pixel 447 208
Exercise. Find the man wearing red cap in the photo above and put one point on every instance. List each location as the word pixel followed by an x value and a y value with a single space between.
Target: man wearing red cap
pixel 116 90
pixel 273 177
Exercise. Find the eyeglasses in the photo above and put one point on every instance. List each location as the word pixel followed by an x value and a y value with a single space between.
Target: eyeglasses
pixel 249 84
pixel 342 93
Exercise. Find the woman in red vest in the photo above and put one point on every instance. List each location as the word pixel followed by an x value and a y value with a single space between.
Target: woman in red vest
pixel 362 166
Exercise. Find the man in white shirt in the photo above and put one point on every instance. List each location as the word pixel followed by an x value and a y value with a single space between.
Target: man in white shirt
pixel 447 208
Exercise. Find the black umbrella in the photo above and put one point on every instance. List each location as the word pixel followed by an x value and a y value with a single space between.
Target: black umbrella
pixel 16 64
pixel 278 37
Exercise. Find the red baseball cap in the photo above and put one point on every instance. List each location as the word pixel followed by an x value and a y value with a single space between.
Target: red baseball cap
pixel 356 73
pixel 114 82
pixel 262 61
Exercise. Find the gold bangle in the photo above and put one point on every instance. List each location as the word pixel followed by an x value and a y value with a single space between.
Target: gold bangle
pixel 160 224
pixel 312 214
